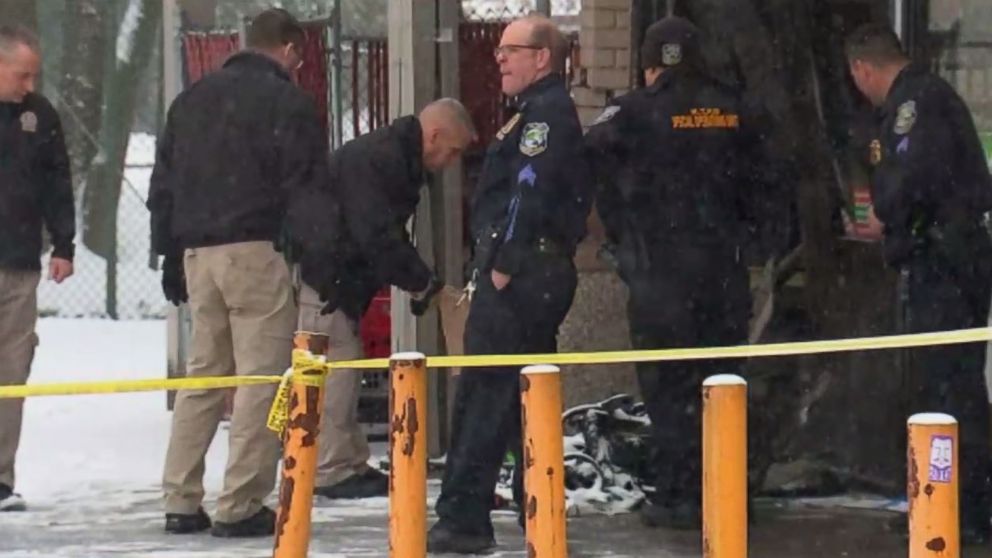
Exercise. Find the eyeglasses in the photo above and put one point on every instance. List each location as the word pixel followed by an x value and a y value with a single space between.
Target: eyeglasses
pixel 511 49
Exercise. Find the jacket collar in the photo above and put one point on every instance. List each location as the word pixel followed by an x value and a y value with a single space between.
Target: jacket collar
pixel 537 89
pixel 256 61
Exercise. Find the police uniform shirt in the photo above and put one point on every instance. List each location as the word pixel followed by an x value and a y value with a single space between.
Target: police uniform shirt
pixel 931 168
pixel 535 184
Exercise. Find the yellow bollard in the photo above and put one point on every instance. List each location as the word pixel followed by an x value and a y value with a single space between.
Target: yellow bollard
pixel 543 461
pixel 408 456
pixel 299 467
pixel 932 486
pixel 725 467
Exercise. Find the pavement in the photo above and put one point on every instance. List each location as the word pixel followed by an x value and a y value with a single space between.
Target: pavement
pixel 130 524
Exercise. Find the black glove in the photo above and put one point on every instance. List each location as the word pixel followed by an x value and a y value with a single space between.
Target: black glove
pixel 421 302
pixel 174 280
pixel 330 295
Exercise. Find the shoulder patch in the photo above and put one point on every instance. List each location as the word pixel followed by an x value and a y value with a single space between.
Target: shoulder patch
pixel 607 115
pixel 29 122
pixel 508 127
pixel 534 139
pixel 905 118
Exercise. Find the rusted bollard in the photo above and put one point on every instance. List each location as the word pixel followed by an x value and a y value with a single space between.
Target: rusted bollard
pixel 932 486
pixel 408 456
pixel 299 466
pixel 725 467
pixel 543 461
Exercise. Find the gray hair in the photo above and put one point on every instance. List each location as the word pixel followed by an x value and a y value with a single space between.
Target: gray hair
pixel 13 35
pixel 451 110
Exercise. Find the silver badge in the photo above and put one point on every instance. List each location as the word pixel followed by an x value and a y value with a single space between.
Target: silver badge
pixel 534 138
pixel 671 54
pixel 905 118
pixel 607 115
pixel 29 122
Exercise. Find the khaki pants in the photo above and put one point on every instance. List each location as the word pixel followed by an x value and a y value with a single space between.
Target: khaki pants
pixel 344 449
pixel 18 315
pixel 243 312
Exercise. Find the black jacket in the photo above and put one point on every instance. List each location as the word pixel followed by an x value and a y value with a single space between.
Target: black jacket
pixel 535 184
pixel 377 178
pixel 35 184
pixel 673 160
pixel 242 150
pixel 933 175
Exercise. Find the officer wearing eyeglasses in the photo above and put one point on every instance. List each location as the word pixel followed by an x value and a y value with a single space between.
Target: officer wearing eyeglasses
pixel 528 215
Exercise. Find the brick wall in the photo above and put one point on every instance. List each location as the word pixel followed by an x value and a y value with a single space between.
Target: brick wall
pixel 605 55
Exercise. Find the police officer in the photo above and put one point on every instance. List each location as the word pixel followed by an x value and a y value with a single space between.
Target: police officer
pixel 35 190
pixel 930 189
pixel 528 214
pixel 377 179
pixel 672 180
pixel 242 155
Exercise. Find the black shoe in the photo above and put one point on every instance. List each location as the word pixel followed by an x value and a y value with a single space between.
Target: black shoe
pixel 186 523
pixel 370 484
pixel 11 501
pixel 262 524
pixel 441 540
pixel 681 516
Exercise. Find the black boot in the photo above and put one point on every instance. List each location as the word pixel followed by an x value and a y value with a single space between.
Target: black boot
pixel 442 540
pixel 370 484
pixel 262 524
pixel 186 523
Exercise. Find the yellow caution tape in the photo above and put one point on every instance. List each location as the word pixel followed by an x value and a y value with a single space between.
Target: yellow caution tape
pixel 129 386
pixel 976 335
pixel 307 370
pixel 657 355
pixel 279 412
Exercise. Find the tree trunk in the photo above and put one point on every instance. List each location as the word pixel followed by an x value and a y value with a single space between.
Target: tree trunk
pixel 84 30
pixel 137 32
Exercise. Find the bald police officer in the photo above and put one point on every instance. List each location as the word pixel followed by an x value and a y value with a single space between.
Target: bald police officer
pixel 671 179
pixel 930 189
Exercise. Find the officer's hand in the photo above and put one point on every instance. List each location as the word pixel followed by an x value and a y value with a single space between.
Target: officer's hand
pixel 174 280
pixel 59 269
pixel 500 280
pixel 421 302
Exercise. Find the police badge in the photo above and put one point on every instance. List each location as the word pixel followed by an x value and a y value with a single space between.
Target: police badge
pixel 905 118
pixel 671 54
pixel 29 122
pixel 534 138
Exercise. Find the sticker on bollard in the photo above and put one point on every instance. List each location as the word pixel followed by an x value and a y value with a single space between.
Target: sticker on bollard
pixel 941 458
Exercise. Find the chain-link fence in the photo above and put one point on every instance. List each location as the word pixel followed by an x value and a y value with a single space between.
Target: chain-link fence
pixel 134 293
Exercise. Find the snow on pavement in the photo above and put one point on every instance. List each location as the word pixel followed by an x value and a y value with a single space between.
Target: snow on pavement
pixel 90 467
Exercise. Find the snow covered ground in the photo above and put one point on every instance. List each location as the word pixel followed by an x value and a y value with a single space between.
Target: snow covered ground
pixel 90 466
